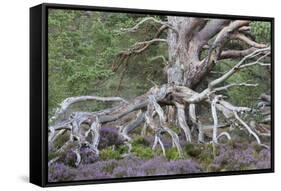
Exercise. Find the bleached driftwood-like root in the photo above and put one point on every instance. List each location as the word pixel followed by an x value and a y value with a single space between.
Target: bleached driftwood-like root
pixel 215 118
pixel 158 140
pixel 259 129
pixel 200 132
pixel 251 132
pixel 144 128
pixel 78 157
pixel 51 134
pixel 78 139
pixel 226 134
pixel 53 137
pixel 216 137
pixel 182 121
pixel 151 122
pixel 197 122
pixel 65 145
pixel 129 127
pixel 226 107
pixel 71 100
pixel 132 125
pixel 57 130
pixel 163 125
pixel 53 160
pixel 95 129
pixel 175 139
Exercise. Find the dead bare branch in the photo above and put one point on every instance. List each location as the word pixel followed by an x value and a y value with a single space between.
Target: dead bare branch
pixel 144 20
pixel 240 65
pixel 248 41
pixel 226 54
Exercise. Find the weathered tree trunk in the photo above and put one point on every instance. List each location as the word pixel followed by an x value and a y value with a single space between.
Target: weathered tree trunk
pixel 183 55
pixel 185 45
pixel 177 59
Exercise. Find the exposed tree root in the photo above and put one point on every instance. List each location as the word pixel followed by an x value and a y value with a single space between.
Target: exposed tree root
pixel 182 121
pixel 150 112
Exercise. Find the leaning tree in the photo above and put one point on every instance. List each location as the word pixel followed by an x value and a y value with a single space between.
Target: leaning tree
pixel 195 46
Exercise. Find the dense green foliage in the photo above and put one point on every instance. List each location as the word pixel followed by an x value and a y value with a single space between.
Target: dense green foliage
pixel 83 47
pixel 262 31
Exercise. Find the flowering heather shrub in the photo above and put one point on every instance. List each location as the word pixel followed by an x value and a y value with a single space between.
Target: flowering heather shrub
pixel 183 167
pixel 241 157
pixel 265 154
pixel 131 161
pixel 132 171
pixel 88 156
pixel 109 136
pixel 98 170
pixel 60 172
pixel 70 158
pixel 264 161
pixel 128 167
pixel 226 157
pixel 154 166
pixel 161 166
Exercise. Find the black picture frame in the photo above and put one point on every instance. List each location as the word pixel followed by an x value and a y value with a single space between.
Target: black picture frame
pixel 39 93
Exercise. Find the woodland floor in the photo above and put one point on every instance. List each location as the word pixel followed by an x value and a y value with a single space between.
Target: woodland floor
pixel 239 155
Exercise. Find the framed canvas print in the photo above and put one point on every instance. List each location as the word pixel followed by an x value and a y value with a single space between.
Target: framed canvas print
pixel 122 95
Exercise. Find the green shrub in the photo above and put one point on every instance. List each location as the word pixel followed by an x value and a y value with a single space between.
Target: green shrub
pixel 109 153
pixel 122 149
pixel 110 166
pixel 143 152
pixel 172 154
pixel 206 156
pixel 52 155
pixel 192 150
pixel 140 141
